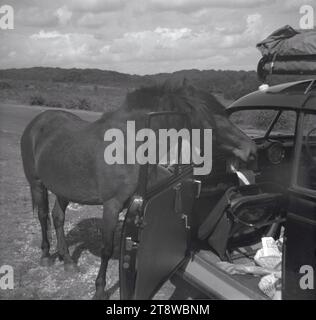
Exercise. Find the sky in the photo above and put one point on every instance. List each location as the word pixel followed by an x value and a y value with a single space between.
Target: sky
pixel 143 36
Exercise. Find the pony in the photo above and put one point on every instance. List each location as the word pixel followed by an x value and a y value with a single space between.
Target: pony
pixel 64 154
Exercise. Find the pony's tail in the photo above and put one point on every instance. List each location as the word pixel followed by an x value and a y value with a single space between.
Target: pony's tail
pixel 39 193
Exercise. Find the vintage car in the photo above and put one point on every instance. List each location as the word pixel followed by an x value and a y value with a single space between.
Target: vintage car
pixel 160 238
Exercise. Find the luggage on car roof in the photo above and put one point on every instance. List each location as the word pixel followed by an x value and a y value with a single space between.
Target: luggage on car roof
pixel 288 51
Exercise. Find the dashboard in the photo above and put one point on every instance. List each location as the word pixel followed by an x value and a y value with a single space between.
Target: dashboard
pixel 273 163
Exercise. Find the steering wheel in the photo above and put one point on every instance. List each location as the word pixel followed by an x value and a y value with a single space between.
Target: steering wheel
pixel 308 145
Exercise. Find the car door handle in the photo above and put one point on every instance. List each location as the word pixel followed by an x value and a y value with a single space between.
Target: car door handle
pixel 198 183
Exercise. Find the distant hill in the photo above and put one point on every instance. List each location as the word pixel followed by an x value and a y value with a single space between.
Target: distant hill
pixel 91 76
pixel 231 84
pixel 94 89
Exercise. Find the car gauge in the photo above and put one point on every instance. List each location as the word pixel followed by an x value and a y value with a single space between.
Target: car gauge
pixel 276 153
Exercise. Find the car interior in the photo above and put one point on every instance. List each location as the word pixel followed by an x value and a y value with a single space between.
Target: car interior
pixel 241 203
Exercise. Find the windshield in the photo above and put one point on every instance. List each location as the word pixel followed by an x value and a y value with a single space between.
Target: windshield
pixel 255 123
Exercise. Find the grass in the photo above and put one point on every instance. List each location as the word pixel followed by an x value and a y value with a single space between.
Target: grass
pixel 68 95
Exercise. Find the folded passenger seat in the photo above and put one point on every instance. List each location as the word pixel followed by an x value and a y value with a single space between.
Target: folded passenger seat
pixel 243 213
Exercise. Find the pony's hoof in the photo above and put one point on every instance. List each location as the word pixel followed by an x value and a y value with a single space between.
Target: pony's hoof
pixel 46 262
pixel 71 268
pixel 100 295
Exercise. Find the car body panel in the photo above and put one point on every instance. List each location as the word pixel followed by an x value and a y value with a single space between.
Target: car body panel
pixel 290 96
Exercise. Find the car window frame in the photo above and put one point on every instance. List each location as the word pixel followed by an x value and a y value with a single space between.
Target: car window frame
pixel 277 110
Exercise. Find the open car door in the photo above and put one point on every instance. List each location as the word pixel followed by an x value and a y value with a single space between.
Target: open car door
pixel 156 233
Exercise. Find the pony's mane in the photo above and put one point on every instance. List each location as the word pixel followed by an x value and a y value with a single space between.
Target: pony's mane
pixel 173 95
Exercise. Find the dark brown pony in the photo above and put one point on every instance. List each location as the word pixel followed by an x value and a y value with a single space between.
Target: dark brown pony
pixel 65 154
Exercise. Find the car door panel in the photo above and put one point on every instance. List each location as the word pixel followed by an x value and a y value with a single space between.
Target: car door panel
pixel 155 238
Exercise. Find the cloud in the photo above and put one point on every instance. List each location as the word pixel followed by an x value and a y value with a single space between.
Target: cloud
pixel 55 48
pixel 64 15
pixel 294 4
pixel 98 5
pixel 252 33
pixel 48 35
pixel 144 51
pixel 93 20
pixel 162 44
pixel 143 36
pixel 35 17
pixel 189 5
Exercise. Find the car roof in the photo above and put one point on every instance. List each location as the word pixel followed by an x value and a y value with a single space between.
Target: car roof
pixel 291 95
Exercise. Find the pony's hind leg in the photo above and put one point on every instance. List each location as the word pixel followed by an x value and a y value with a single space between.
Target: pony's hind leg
pixel 40 204
pixel 111 210
pixel 59 220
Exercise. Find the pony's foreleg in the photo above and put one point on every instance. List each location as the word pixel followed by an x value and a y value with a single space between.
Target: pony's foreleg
pixel 59 220
pixel 111 210
pixel 40 204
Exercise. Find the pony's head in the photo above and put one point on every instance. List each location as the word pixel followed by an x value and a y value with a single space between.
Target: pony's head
pixel 204 110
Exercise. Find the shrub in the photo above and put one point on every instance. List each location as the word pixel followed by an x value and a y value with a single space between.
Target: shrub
pixel 80 103
pixel 37 100
pixel 5 85
pixel 55 104
pixel 84 104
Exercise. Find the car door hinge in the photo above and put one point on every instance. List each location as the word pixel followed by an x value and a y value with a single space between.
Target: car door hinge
pixel 139 222
pixel 130 244
pixel 136 205
pixel 186 223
